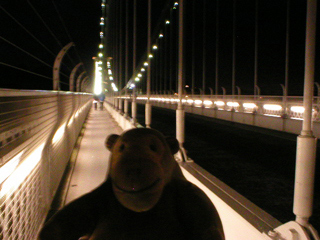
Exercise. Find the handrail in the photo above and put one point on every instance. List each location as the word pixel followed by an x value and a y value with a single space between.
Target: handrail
pixel 38 130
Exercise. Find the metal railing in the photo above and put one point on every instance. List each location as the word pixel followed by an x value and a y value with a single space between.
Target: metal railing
pixel 38 130
pixel 275 106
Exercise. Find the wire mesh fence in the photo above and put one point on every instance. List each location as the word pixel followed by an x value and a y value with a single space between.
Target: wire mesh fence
pixel 38 130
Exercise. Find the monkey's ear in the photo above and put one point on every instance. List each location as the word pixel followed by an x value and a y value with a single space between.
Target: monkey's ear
pixel 173 144
pixel 110 141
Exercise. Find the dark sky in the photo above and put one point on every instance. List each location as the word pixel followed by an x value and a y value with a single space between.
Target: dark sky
pixel 81 19
pixel 41 29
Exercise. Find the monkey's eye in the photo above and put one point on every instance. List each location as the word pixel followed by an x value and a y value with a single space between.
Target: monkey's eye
pixel 121 148
pixel 153 147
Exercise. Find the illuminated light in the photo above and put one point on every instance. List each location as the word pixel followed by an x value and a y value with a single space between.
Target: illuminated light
pixel 160 35
pixel 109 72
pixel 167 22
pixel 98 78
pixel 101 46
pixel 297 109
pixel 272 115
pixel 190 101
pixel 101 23
pixel 176 4
pixel 114 87
pixel 7 169
pixel 100 55
pixel 198 102
pixel 150 56
pixel 132 85
pixel 143 70
pixel 137 79
pixel 145 64
pixel 273 107
pixel 186 86
pixel 59 134
pixel 70 121
pixel 111 78
pixel 139 75
pixel 101 33
pixel 233 104
pixel 207 102
pixel 102 18
pixel 249 105
pixel 15 179
pixel 103 4
pixel 219 103
pixel 155 47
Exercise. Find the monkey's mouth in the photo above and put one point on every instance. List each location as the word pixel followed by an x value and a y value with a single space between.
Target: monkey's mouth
pixel 135 190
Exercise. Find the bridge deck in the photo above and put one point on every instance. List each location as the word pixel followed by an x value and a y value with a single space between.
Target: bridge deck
pixel 92 159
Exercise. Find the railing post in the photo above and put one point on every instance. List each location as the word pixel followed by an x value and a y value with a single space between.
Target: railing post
pixel 126 103
pixel 79 80
pixel 306 144
pixel 134 106
pixel 148 104
pixel 72 75
pixel 83 84
pixel 180 114
pixel 284 101
pixel 57 64
pixel 120 101
pixel 116 105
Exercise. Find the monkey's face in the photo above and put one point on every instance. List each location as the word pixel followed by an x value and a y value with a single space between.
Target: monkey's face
pixel 141 166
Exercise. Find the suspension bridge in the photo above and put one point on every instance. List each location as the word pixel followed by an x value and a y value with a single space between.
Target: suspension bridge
pixel 52 140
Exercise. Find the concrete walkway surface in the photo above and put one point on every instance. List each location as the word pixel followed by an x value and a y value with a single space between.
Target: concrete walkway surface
pixel 91 165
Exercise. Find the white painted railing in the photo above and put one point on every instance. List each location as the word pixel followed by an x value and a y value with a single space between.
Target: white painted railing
pixel 270 112
pixel 290 107
pixel 38 130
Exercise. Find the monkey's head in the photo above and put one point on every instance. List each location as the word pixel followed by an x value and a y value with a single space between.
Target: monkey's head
pixel 141 164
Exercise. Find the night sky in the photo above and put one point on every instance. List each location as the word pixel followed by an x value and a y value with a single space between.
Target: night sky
pixel 53 24
pixel 47 26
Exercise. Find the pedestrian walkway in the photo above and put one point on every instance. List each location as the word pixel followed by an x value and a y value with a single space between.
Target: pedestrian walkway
pixel 91 163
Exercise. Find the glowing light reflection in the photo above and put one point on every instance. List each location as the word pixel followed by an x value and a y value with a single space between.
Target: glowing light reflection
pixel 273 107
pixel 207 102
pixel 233 104
pixel 9 167
pixel 249 105
pixel 297 109
pixel 22 172
pixel 219 103
pixel 59 134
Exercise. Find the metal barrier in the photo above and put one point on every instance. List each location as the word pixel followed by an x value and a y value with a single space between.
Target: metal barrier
pixel 276 106
pixel 269 112
pixel 38 130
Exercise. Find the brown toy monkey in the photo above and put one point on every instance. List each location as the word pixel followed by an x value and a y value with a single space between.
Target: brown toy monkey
pixel 145 196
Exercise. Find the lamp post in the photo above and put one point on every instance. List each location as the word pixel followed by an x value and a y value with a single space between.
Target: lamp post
pixel 180 114
pixel 148 104
pixel 306 143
